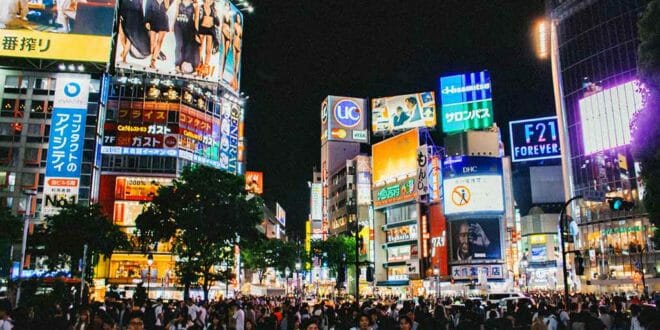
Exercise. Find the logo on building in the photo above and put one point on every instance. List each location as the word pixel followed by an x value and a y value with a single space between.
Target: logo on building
pixel 347 113
pixel 72 89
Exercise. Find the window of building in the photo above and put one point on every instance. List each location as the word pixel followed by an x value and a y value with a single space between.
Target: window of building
pixel 32 156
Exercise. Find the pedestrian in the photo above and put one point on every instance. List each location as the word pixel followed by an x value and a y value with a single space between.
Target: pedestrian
pixel 6 322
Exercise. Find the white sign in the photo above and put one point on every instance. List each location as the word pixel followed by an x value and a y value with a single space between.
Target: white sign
pixel 473 194
pixel 317 202
pixel 57 193
pixel 422 181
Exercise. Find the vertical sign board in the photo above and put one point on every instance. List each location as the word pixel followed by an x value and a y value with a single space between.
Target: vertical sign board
pixel 466 102
pixel 316 207
pixel 422 172
pixel 534 139
pixel 346 119
pixel 280 214
pixel 65 145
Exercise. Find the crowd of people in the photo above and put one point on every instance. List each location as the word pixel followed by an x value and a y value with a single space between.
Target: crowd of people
pixel 538 312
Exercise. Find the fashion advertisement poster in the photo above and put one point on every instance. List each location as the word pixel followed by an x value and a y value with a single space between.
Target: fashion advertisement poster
pixel 200 39
pixel 475 240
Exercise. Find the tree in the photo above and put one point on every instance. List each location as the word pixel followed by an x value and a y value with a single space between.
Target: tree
pixel 258 256
pixel 65 234
pixel 646 131
pixel 203 214
pixel 336 251
pixel 11 225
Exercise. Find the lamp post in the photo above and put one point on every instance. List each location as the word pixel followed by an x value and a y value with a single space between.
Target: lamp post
pixel 150 261
pixel 524 263
pixel 286 281
pixel 436 273
pixel 225 271
pixel 562 229
pixel 26 224
pixel 298 267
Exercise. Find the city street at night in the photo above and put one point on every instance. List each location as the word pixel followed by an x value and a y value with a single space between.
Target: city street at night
pixel 332 165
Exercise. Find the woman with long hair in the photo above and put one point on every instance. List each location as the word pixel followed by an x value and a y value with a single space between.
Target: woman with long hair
pixel 186 56
pixel 158 25
pixel 208 20
pixel 226 36
pixel 133 36
pixel 238 39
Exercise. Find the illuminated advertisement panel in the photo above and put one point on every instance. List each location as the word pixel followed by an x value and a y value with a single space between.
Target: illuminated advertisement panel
pixel 231 114
pixel 475 240
pixel 346 119
pixel 438 235
pixel 534 139
pixel 403 233
pixel 280 214
pixel 196 40
pixel 317 202
pixel 466 102
pixel 472 185
pixel 606 115
pixel 57 30
pixel 395 193
pixel 66 140
pixel 363 180
pixel 254 182
pixel 141 189
pixel 395 157
pixel 125 212
pixel 402 112
pixel 471 272
pixel 140 136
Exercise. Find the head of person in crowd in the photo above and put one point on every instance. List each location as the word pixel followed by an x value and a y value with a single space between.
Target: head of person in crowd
pixel 364 322
pixel 405 323
pixel 136 320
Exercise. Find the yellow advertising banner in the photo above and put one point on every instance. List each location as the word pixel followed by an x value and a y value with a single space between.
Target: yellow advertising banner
pixel 395 157
pixel 54 46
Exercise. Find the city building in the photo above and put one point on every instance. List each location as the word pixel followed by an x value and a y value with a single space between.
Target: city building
pixel 594 53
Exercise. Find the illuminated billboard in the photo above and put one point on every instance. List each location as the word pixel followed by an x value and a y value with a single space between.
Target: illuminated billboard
pixel 280 214
pixel 395 157
pixel 81 31
pixel 466 102
pixel 142 189
pixel 472 185
pixel 605 117
pixel 65 144
pixel 254 182
pixel 534 139
pixel 395 193
pixel 363 180
pixel 402 112
pixel 344 119
pixel 196 41
pixel 475 240
pixel 317 202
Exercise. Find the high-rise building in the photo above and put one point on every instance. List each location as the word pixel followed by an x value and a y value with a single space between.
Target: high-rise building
pixel 594 54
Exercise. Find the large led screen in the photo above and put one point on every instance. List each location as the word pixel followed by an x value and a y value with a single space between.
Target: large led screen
pixel 395 157
pixel 605 117
pixel 472 185
pixel 190 39
pixel 254 182
pixel 402 112
pixel 57 30
pixel 475 240
pixel 466 102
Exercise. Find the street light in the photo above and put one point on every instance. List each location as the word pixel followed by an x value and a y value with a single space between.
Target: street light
pixel 26 224
pixel 286 281
pixel 150 261
pixel 298 266
pixel 524 263
pixel 436 273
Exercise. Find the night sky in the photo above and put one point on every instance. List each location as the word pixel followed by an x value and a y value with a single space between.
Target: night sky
pixel 298 52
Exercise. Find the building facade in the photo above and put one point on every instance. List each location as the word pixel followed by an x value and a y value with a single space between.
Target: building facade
pixel 597 43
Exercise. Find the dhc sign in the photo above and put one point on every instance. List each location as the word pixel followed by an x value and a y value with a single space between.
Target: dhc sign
pixel 534 139
pixel 348 113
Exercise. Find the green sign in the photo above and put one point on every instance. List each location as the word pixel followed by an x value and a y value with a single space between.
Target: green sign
pixel 395 192
pixel 467 116
pixel 623 230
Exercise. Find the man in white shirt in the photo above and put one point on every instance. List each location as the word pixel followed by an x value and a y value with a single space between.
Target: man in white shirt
pixel 193 310
pixel 239 317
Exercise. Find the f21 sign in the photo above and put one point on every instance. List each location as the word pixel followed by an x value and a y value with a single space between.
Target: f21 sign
pixel 534 139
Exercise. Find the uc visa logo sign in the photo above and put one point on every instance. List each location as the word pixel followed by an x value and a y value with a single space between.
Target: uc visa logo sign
pixel 347 113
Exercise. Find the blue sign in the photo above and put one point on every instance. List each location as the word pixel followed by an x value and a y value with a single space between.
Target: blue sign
pixel 348 113
pixel 67 137
pixel 466 102
pixel 470 166
pixel 534 139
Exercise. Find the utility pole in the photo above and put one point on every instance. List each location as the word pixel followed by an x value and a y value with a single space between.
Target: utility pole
pixel 26 225
pixel 562 228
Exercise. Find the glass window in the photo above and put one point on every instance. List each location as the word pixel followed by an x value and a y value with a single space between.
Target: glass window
pixel 29 180
pixel 32 155
pixel 34 130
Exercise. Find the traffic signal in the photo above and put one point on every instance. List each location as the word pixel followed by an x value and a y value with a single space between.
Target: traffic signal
pixel 619 204
pixel 370 273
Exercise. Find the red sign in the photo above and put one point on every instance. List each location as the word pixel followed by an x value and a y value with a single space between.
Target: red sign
pixel 438 240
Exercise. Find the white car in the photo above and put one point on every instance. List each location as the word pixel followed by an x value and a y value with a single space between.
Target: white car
pixel 505 302
pixel 495 297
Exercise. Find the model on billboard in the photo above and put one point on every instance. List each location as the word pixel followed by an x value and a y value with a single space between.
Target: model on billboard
pixel 158 25
pixel 186 54
pixel 413 109
pixel 238 40
pixel 226 35
pixel 471 240
pixel 400 118
pixel 133 35
pixel 207 33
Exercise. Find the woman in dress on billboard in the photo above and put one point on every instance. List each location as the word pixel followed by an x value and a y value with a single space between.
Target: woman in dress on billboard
pixel 133 36
pixel 158 25
pixel 207 23
pixel 226 34
pixel 186 56
pixel 238 39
